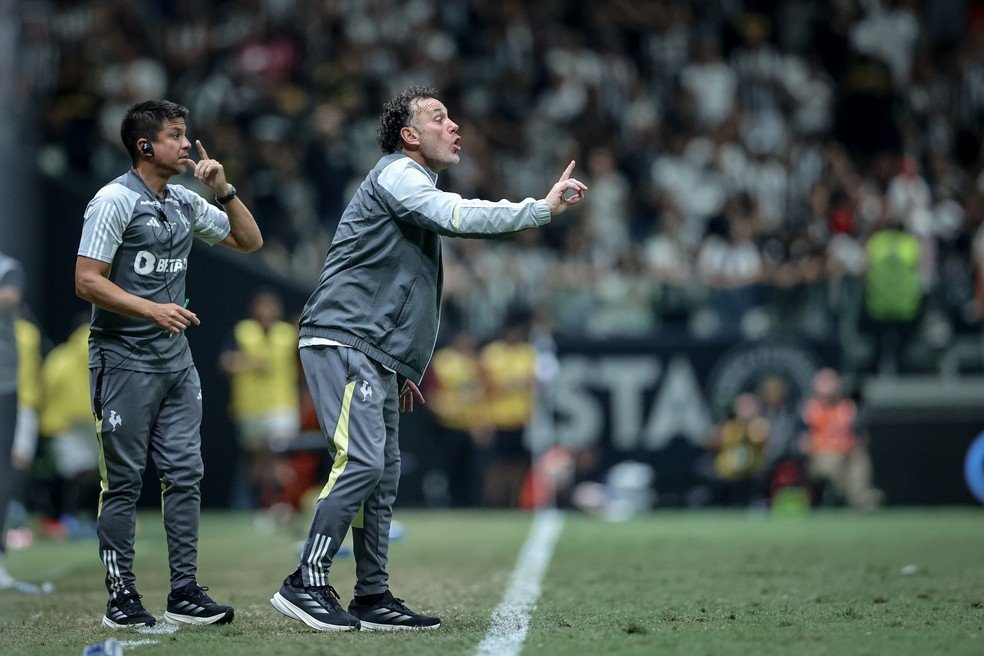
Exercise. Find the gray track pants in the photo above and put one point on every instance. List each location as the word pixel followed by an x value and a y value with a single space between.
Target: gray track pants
pixel 162 413
pixel 357 405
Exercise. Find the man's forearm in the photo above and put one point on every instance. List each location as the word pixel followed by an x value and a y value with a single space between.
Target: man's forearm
pixel 483 217
pixel 107 295
pixel 242 226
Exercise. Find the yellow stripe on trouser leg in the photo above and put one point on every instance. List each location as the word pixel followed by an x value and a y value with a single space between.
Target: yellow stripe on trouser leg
pixel 103 474
pixel 341 440
pixel 360 517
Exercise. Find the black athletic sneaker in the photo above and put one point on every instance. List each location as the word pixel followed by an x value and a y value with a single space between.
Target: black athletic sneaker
pixel 316 607
pixel 391 614
pixel 124 610
pixel 190 605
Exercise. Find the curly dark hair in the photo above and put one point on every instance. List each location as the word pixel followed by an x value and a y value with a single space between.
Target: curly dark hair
pixel 397 114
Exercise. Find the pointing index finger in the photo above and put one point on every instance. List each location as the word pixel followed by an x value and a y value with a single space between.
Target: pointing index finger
pixel 567 172
pixel 201 149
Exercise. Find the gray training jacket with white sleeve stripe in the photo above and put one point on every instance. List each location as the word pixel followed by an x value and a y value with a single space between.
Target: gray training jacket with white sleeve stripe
pixel 380 288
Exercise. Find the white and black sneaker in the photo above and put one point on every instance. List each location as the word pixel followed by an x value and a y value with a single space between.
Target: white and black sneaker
pixel 317 607
pixel 124 610
pixel 384 612
pixel 190 605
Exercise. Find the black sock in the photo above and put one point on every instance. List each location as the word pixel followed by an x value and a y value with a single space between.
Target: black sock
pixel 369 600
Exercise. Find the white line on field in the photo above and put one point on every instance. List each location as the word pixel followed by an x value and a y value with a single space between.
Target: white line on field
pixel 511 619
pixel 131 644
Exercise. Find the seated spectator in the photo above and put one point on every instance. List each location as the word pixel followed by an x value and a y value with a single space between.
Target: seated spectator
pixel 836 451
pixel 740 451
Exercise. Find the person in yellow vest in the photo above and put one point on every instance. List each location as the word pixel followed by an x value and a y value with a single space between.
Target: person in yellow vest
pixel 509 364
pixel 458 400
pixel 66 417
pixel 264 399
pixel 28 339
pixel 28 392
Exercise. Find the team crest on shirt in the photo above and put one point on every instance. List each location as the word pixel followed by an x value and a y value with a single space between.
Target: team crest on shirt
pixel 114 419
pixel 366 390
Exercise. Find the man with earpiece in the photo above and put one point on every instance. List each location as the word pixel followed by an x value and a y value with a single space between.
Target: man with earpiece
pixel 146 394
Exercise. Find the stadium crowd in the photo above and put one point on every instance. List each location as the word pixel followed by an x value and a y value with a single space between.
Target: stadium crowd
pixel 740 155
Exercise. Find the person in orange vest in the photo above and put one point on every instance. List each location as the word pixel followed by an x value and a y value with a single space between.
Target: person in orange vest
pixel 836 453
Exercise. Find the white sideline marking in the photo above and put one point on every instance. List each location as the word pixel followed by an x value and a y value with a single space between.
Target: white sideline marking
pixel 131 644
pixel 161 628
pixel 511 619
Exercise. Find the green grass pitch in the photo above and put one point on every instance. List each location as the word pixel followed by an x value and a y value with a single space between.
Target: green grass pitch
pixel 663 583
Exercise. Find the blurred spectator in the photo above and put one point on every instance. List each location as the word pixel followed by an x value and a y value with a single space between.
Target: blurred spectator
pixel 510 367
pixel 836 451
pixel 261 363
pixel 28 406
pixel 739 451
pixel 28 392
pixel 11 294
pixel 606 210
pixel 711 81
pixel 458 400
pixel 783 479
pixel 784 422
pixel 757 146
pixel 66 419
pixel 731 266
pixel 893 294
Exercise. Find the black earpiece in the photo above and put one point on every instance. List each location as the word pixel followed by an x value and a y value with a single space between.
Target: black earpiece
pixel 147 148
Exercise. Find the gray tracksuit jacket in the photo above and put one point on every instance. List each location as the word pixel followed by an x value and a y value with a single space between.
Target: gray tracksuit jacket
pixel 380 288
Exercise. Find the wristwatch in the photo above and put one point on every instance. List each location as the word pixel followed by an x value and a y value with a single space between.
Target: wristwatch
pixel 225 199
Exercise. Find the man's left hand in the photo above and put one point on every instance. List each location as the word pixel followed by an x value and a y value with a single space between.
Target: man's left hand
pixel 408 394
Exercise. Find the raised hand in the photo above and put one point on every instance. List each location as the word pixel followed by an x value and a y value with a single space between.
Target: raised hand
pixel 211 172
pixel 555 197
